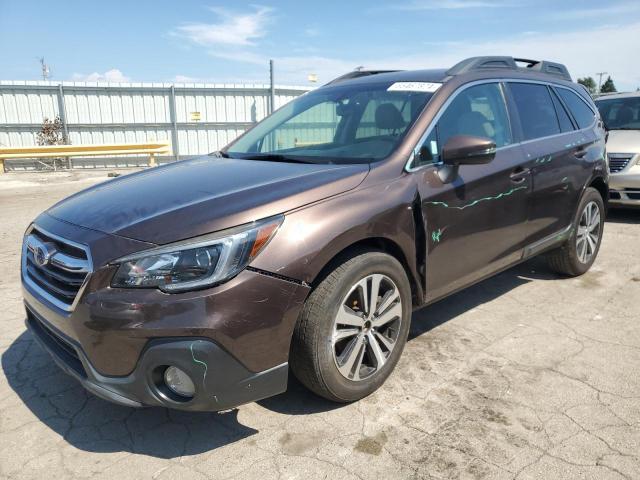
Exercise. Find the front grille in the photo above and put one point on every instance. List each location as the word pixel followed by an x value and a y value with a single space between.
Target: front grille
pixel 618 161
pixel 55 267
pixel 632 193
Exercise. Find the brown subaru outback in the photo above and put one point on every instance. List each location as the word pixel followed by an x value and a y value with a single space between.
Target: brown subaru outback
pixel 308 241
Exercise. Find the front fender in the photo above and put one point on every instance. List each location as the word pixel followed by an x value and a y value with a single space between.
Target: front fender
pixel 311 237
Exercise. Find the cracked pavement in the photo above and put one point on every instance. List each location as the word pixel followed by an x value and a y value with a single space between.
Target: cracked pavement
pixel 526 375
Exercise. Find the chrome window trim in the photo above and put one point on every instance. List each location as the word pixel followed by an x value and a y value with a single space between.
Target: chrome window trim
pixel 34 288
pixel 581 99
pixel 409 169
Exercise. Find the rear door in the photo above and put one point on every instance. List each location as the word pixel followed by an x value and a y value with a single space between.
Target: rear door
pixel 554 149
pixel 475 225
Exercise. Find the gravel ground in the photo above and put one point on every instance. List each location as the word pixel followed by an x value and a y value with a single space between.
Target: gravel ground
pixel 525 375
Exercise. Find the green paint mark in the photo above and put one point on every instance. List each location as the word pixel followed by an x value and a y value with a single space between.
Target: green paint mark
pixel 476 202
pixel 200 362
pixel 435 235
pixel 541 160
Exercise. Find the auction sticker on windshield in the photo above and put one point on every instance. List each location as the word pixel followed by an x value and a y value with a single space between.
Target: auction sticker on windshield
pixel 414 87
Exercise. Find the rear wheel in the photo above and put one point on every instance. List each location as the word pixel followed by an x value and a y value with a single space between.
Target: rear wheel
pixel 579 252
pixel 353 328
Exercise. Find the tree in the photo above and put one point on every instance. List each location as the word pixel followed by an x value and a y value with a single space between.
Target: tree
pixel 608 86
pixel 51 132
pixel 589 83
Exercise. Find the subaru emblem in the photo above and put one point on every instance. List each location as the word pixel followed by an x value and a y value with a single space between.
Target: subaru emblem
pixel 42 251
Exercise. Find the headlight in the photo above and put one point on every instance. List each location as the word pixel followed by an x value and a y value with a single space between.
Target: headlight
pixel 198 262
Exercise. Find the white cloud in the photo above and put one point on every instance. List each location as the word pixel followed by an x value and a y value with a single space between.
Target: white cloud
pixel 292 69
pixel 448 4
pixel 617 9
pixel 609 48
pixel 186 79
pixel 243 56
pixel 232 29
pixel 113 75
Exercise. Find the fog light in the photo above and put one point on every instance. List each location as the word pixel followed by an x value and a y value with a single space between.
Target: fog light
pixel 179 382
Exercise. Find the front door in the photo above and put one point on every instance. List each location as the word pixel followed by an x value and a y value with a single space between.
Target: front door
pixel 475 225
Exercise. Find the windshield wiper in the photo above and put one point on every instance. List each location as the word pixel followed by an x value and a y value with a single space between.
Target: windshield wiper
pixel 276 157
pixel 219 154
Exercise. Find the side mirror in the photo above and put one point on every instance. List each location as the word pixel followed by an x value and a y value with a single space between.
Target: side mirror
pixel 468 150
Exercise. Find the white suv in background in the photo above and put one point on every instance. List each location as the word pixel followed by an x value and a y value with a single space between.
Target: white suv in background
pixel 621 115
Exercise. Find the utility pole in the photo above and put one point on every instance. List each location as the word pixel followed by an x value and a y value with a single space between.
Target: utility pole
pixel 45 69
pixel 600 74
pixel 272 90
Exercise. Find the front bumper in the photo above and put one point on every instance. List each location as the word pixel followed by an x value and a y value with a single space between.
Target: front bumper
pixel 117 342
pixel 221 381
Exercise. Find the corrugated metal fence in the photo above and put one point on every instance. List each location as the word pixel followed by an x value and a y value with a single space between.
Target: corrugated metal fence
pixel 195 118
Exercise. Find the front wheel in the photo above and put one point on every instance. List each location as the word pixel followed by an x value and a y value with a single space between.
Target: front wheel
pixel 353 328
pixel 577 255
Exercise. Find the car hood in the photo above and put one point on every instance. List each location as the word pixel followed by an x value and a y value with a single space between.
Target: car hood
pixel 203 195
pixel 623 141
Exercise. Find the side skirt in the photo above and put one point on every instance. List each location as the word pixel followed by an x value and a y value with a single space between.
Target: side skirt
pixel 547 243
pixel 536 248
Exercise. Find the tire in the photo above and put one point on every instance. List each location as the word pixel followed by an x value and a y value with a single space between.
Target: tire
pixel 320 361
pixel 569 259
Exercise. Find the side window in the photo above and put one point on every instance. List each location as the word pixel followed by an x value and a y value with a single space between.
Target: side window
pixel 535 109
pixel 479 111
pixel 563 117
pixel 579 108
pixel 429 152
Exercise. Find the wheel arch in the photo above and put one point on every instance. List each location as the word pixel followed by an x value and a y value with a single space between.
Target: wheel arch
pixel 372 244
pixel 600 184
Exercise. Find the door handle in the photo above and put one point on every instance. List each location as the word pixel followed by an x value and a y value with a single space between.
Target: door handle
pixel 580 152
pixel 519 174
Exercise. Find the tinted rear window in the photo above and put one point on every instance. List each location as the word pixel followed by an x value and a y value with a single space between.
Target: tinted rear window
pixel 565 121
pixel 579 108
pixel 535 108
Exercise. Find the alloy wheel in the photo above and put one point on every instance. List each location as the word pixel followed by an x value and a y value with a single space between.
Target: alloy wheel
pixel 366 327
pixel 588 234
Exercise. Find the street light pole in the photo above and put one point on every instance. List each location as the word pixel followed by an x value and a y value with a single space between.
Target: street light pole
pixel 600 74
pixel 272 92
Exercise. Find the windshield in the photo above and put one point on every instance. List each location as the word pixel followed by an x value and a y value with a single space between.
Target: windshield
pixel 342 124
pixel 620 113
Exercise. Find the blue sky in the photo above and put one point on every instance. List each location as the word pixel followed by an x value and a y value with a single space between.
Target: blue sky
pixel 227 41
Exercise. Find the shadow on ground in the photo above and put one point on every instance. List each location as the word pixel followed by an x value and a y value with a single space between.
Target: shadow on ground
pixel 91 424
pixel 623 215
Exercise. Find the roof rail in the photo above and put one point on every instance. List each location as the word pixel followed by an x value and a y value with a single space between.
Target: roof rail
pixel 357 74
pixel 509 63
pixel 545 66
